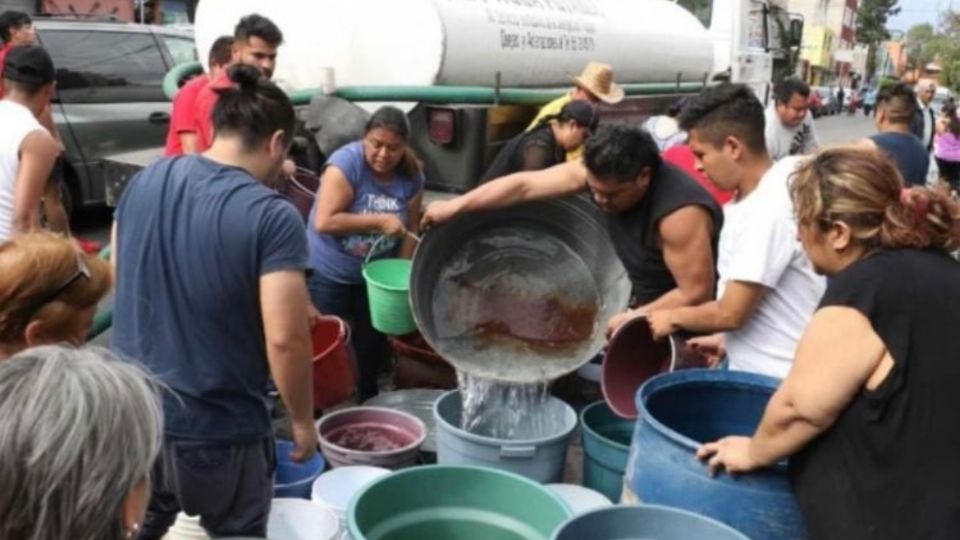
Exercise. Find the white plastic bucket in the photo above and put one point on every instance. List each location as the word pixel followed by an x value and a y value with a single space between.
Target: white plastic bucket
pixel 336 487
pixel 299 519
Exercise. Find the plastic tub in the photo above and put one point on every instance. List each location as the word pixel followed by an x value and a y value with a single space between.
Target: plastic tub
pixel 680 411
pixel 542 459
pixel 335 488
pixel 606 446
pixel 297 519
pixel 371 436
pixel 455 503
pixel 293 480
pixel 659 522
pixel 580 499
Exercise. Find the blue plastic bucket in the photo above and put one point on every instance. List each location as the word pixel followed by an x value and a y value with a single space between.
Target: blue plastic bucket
pixel 606 446
pixel 294 480
pixel 681 410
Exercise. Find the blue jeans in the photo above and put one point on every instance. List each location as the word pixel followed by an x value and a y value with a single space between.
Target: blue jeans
pixel 349 302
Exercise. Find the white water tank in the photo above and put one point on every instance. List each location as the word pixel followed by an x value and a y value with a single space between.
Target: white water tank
pixel 466 42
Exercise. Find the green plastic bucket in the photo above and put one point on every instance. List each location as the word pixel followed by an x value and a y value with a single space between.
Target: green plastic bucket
pixel 455 503
pixel 388 293
pixel 606 446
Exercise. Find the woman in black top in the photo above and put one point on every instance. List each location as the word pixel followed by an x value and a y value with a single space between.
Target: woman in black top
pixel 547 144
pixel 870 411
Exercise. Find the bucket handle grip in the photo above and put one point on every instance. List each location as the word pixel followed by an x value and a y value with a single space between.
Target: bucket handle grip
pixel 518 451
pixel 381 238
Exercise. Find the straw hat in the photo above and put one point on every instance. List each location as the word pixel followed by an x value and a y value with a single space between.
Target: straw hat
pixel 597 78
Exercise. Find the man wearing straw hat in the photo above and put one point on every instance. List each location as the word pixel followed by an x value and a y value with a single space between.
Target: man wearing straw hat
pixel 595 85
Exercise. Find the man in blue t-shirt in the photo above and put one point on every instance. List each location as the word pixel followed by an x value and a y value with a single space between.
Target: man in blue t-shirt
pixel 211 296
pixel 896 105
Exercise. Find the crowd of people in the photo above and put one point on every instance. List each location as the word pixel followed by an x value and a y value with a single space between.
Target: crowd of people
pixel 829 269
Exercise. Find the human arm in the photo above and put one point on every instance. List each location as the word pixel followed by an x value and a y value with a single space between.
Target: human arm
pixel 740 299
pixel 685 236
pixel 413 226
pixel 38 153
pixel 333 202
pixel 839 355
pixel 564 179
pixel 284 303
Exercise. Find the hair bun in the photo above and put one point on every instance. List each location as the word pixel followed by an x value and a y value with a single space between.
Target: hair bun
pixel 246 76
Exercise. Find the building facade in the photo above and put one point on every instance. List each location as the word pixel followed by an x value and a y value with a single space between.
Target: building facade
pixel 829 54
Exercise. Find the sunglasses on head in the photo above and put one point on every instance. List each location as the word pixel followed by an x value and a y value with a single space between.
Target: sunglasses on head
pixel 83 271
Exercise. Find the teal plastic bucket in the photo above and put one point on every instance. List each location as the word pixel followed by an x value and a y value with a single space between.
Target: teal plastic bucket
pixel 606 446
pixel 388 292
pixel 455 503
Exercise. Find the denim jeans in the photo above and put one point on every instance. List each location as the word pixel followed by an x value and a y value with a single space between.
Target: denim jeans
pixel 349 302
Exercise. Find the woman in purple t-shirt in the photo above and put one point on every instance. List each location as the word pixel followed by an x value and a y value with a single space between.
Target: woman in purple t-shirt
pixel 947 147
pixel 370 188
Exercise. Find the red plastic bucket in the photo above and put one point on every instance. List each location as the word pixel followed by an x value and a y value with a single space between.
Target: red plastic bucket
pixel 632 357
pixel 333 377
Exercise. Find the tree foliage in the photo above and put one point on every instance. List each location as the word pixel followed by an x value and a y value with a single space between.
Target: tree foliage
pixel 872 29
pixel 942 45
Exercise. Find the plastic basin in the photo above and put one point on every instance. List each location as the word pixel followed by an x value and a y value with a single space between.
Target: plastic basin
pixel 636 522
pixel 455 503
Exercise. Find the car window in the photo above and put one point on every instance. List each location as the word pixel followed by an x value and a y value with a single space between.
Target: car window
pixel 105 67
pixel 181 49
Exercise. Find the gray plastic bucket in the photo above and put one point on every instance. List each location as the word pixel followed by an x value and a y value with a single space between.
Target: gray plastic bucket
pixel 660 522
pixel 542 459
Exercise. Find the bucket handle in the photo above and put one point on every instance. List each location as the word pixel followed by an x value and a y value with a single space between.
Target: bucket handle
pixel 373 248
pixel 518 451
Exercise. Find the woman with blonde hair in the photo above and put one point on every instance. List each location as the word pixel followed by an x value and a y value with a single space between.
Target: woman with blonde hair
pixel 870 411
pixel 49 291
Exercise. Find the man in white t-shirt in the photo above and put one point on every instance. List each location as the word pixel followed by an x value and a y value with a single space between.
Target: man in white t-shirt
pixel 27 150
pixel 768 289
pixel 789 125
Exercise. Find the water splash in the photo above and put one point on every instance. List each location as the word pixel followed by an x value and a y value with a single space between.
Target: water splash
pixel 508 411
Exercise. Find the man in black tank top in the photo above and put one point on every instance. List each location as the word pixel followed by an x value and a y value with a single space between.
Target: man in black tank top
pixel 662 223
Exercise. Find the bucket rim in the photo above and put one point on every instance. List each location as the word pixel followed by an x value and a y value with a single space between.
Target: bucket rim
pixel 491 441
pixel 623 508
pixel 375 283
pixel 344 334
pixel 689 376
pixel 587 428
pixel 354 528
pixel 416 444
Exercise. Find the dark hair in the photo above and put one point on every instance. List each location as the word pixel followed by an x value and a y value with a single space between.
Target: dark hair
pixel 900 102
pixel 677 107
pixel 221 51
pixel 10 20
pixel 620 153
pixel 256 25
pixel 254 108
pixel 950 111
pixel 394 120
pixel 787 88
pixel 726 110
pixel 573 111
pixel 863 188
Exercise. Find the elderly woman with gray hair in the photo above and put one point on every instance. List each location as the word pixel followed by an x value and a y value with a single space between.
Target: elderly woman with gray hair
pixel 79 433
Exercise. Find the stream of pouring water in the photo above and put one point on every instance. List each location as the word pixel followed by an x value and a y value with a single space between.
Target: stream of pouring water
pixel 508 411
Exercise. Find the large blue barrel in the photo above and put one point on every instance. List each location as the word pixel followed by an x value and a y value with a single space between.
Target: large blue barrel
pixel 681 410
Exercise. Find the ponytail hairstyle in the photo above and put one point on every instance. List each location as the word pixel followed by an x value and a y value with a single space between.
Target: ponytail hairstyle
pixel 863 189
pixel 253 108
pixel 953 121
pixel 395 121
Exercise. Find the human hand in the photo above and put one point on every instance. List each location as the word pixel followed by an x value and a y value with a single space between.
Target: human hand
pixel 621 319
pixel 304 441
pixel 729 453
pixel 712 348
pixel 289 168
pixel 438 213
pixel 662 323
pixel 391 225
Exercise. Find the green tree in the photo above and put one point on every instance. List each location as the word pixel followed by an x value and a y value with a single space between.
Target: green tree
pixel 872 29
pixel 919 41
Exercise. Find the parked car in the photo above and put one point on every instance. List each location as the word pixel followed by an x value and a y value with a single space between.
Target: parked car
pixel 828 100
pixel 815 103
pixel 109 98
